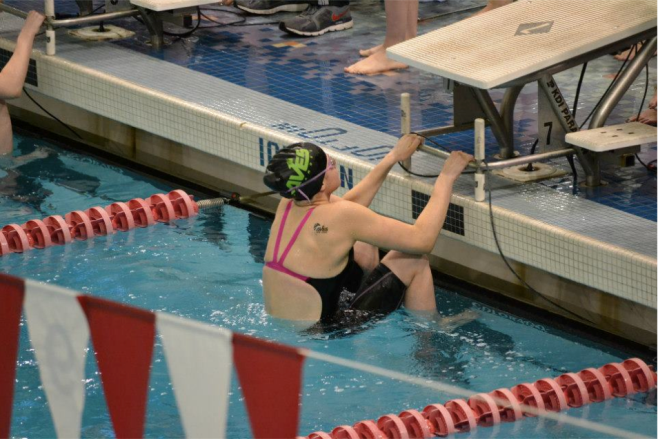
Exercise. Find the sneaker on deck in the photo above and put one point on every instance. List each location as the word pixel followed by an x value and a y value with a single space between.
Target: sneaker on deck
pixel 317 20
pixel 268 7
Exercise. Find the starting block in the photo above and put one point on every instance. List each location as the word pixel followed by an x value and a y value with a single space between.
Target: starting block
pixel 528 41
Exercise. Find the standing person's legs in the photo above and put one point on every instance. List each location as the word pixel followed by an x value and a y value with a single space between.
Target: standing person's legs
pixel 399 14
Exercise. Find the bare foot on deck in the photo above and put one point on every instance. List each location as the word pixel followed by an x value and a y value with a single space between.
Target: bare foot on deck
pixel 630 53
pixel 648 117
pixel 375 64
pixel 366 52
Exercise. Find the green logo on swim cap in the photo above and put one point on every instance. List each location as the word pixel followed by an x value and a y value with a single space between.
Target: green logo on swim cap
pixel 300 166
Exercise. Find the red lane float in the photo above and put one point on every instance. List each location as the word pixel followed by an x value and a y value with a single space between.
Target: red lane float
pixel 416 424
pixel 511 410
pixel 392 427
pixel 574 389
pixel 39 233
pixel 344 432
pixel 440 418
pixel 642 377
pixel 554 399
pixel 100 221
pixel 4 245
pixel 96 221
pixel 597 387
pixel 505 405
pixel 60 233
pixel 122 217
pixel 485 409
pixel 462 415
pixel 142 213
pixel 163 210
pixel 618 378
pixel 16 238
pixel 80 225
pixel 368 430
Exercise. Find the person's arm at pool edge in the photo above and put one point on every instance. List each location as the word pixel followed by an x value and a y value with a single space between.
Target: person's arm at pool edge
pixel 364 192
pixel 419 238
pixel 12 76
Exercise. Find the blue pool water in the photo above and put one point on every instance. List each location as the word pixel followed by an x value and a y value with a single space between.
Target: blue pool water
pixel 209 269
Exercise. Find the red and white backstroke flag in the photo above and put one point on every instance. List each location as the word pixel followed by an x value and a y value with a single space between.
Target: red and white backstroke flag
pixel 270 375
pixel 60 335
pixel 123 339
pixel 199 358
pixel 11 303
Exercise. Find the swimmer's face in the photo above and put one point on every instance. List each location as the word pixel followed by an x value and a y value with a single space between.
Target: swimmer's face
pixel 331 178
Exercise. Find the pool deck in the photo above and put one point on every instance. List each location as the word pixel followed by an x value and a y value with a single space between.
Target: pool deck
pixel 237 93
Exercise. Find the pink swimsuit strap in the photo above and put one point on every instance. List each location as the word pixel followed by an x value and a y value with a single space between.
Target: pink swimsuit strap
pixel 276 263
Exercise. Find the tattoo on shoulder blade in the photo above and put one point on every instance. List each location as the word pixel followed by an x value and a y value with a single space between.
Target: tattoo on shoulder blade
pixel 319 228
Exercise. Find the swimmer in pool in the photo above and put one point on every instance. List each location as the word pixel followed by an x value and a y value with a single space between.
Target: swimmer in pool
pixel 323 248
pixel 12 76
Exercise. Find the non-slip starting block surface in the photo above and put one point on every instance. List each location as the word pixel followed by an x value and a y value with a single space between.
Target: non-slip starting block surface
pixel 523 38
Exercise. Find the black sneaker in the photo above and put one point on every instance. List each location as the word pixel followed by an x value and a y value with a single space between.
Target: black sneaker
pixel 317 20
pixel 268 7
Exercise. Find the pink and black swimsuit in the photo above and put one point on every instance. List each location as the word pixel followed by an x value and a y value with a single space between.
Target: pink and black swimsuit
pixel 330 289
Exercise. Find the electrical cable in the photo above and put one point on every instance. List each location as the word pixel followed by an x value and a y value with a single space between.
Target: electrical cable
pixel 51 115
pixel 445 148
pixel 580 84
pixel 493 229
pixel 500 250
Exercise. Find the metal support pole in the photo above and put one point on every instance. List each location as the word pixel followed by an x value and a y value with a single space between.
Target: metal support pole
pixel 496 122
pixel 49 12
pixel 405 114
pixel 154 26
pixel 517 161
pixel 479 158
pixel 530 158
pixel 12 11
pixel 623 83
pixel 507 111
pixel 93 18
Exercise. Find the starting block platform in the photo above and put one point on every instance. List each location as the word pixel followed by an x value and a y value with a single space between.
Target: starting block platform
pixel 505 46
pixel 613 137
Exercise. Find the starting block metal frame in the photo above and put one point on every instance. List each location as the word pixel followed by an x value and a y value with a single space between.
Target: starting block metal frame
pixel 533 41
pixel 152 12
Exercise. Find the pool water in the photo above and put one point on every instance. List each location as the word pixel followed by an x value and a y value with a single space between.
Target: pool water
pixel 208 268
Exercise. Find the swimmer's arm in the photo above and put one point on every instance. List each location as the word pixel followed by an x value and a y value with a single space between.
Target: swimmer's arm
pixel 364 192
pixel 12 76
pixel 419 238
